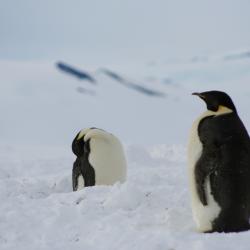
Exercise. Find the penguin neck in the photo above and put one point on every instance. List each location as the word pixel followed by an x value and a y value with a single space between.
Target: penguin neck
pixel 221 111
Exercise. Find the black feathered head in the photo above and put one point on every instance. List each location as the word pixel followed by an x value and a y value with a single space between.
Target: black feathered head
pixel 216 99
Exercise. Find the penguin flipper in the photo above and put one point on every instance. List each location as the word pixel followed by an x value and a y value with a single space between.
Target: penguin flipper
pixel 202 173
pixel 87 172
pixel 76 171
pixel 200 177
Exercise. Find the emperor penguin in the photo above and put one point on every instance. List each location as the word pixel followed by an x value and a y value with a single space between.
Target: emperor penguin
pixel 100 159
pixel 219 167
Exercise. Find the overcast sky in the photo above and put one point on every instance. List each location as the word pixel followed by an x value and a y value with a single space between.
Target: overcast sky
pixel 124 29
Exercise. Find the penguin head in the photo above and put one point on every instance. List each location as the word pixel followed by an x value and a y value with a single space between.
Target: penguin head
pixel 216 100
pixel 79 143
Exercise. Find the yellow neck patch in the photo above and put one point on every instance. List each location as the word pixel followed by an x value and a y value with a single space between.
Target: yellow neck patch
pixel 223 110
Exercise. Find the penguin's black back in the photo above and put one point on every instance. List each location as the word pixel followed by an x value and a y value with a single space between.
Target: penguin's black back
pixel 225 160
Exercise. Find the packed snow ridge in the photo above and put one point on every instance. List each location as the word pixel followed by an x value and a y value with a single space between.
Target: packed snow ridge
pixel 150 210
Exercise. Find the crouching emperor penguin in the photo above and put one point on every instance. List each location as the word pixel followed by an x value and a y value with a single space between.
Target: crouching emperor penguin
pixel 219 167
pixel 100 159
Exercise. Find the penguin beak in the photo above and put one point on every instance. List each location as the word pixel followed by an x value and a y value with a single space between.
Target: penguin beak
pixel 199 94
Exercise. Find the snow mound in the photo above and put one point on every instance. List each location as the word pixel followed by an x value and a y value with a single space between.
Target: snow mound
pixel 149 211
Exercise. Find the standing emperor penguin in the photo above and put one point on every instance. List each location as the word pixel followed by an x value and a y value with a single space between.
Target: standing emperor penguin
pixel 219 167
pixel 100 159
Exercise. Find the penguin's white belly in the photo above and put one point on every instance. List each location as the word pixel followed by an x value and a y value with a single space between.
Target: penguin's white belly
pixel 203 215
pixel 108 161
pixel 80 182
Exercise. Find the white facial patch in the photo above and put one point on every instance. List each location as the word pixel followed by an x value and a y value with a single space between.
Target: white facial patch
pixel 203 215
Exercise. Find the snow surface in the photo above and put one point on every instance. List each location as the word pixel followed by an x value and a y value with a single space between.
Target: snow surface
pixel 41 112
pixel 41 105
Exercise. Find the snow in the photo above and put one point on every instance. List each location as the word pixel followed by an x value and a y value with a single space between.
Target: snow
pixel 41 105
pixel 41 212
pixel 150 211
pixel 41 112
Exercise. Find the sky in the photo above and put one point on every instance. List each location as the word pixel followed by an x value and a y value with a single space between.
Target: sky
pixel 121 30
